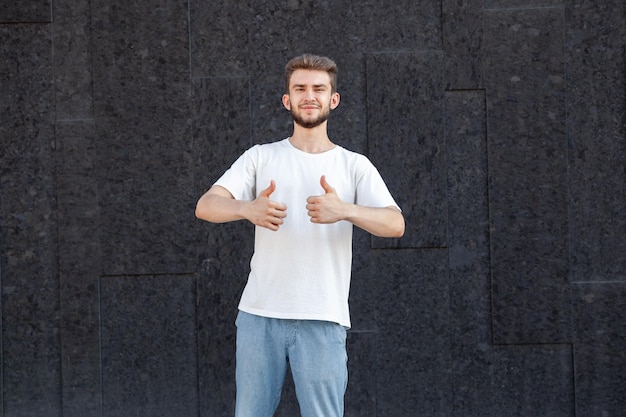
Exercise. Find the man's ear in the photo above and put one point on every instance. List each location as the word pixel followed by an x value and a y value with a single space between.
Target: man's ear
pixel 334 100
pixel 286 102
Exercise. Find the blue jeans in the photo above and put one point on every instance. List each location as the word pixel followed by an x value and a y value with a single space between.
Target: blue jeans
pixel 316 353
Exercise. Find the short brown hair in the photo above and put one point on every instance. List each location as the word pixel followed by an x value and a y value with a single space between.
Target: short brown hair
pixel 312 62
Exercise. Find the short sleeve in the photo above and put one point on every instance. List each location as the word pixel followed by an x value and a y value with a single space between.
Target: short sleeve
pixel 240 178
pixel 371 190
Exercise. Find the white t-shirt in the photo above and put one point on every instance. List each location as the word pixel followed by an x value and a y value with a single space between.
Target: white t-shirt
pixel 302 271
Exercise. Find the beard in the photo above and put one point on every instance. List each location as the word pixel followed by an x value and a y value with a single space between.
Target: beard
pixel 311 123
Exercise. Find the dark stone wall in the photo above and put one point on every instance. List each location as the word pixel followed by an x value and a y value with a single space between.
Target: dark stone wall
pixel 499 125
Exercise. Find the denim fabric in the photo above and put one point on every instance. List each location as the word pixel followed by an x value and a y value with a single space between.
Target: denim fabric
pixel 316 353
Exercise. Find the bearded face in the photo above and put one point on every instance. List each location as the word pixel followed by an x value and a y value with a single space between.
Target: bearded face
pixel 310 98
pixel 313 120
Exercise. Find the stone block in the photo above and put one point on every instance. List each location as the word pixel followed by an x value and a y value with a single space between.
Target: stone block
pixel 31 356
pixel 468 237
pixel 220 35
pixel 405 109
pixel 149 350
pixel 594 50
pixel 293 27
pixel 142 104
pixel 468 216
pixel 413 338
pixel 79 265
pixel 402 26
pixel 463 44
pixel 219 286
pixel 25 11
pixel 534 380
pixel 527 175
pixel 600 349
pixel 72 60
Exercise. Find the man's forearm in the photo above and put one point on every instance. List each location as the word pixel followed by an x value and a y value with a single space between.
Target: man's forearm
pixel 382 222
pixel 217 208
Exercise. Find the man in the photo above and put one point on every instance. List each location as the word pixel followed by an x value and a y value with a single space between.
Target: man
pixel 303 194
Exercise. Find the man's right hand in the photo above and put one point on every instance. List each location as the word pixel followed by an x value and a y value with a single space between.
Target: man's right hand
pixel 219 206
pixel 264 212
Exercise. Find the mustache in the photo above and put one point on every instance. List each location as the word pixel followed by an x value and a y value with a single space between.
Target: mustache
pixel 310 104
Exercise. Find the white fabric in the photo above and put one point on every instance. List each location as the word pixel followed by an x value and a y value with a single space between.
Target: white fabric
pixel 302 271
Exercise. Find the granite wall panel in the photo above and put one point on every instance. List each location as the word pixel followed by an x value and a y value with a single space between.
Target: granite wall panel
pixel 595 44
pixel 413 340
pixel 219 287
pixel 149 347
pixel 220 29
pixel 534 380
pixel 468 252
pixel 142 103
pixel 402 26
pixel 527 175
pixel 28 227
pixel 462 24
pixel 332 27
pixel 600 350
pixel 405 138
pixel 72 60
pixel 25 11
pixel 79 263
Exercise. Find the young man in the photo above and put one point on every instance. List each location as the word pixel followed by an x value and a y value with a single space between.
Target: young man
pixel 303 194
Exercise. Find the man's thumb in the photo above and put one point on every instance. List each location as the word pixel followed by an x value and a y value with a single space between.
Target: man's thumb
pixel 269 190
pixel 325 185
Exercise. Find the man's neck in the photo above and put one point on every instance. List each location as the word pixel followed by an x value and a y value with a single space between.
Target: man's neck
pixel 313 140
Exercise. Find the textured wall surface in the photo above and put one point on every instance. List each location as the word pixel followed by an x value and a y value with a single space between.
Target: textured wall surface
pixel 499 126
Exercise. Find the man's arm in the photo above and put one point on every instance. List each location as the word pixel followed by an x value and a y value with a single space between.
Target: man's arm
pixel 219 206
pixel 379 221
pixel 383 221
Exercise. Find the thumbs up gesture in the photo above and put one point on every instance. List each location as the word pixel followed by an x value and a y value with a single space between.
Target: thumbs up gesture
pixel 265 212
pixel 326 208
